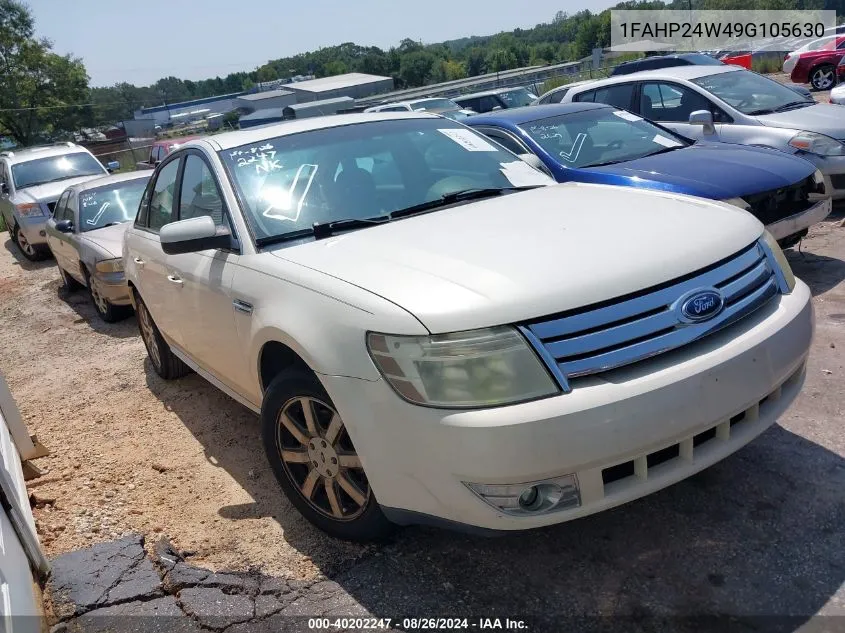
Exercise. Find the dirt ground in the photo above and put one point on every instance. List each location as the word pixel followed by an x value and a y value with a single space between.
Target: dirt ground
pixel 180 459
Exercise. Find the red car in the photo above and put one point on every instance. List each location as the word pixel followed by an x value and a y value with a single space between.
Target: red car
pixel 160 149
pixel 815 63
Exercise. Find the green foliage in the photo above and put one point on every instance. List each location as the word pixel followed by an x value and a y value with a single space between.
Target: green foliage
pixel 765 65
pixel 35 83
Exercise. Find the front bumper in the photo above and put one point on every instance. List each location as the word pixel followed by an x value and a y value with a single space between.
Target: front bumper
pixel 34 229
pixel 800 221
pixel 113 288
pixel 417 458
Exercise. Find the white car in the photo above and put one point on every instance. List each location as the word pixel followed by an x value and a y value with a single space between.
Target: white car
pixel 427 343
pixel 438 105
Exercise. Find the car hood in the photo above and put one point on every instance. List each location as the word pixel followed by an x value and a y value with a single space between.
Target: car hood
pixel 50 191
pixel 108 238
pixel 530 254
pixel 821 118
pixel 715 170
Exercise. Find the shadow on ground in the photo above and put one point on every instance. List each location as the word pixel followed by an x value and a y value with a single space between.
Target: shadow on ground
pixel 80 302
pixel 758 534
pixel 22 261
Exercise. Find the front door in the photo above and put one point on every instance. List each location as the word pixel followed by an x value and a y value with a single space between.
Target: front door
pixel 671 104
pixel 207 330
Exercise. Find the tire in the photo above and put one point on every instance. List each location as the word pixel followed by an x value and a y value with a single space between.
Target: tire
pixel 823 77
pixel 164 361
pixel 106 310
pixel 30 251
pixel 68 283
pixel 322 475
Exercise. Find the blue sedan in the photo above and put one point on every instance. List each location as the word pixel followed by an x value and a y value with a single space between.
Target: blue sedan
pixel 597 143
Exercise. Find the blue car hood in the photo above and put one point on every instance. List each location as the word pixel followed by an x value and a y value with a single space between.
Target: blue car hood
pixel 712 170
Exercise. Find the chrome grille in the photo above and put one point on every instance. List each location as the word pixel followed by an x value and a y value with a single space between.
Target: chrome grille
pixel 589 341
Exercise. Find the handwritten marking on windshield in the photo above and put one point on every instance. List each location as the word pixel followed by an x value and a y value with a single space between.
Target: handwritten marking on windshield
pixel 93 221
pixel 572 155
pixel 281 199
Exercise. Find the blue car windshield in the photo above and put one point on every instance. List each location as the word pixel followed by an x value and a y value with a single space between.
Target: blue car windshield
pixel 599 137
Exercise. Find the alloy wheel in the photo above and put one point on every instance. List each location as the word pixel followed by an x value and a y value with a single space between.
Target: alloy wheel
pixel 823 78
pixel 99 299
pixel 24 244
pixel 148 334
pixel 320 460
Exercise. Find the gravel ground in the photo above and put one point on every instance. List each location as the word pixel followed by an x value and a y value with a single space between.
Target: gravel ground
pixel 757 534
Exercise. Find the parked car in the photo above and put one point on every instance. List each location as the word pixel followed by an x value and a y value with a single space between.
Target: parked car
pixel 815 63
pixel 837 94
pixel 432 334
pixel 160 149
pixel 593 142
pixel 555 95
pixel 499 99
pixel 731 105
pixel 85 235
pixel 437 105
pixel 31 180
pixel 663 61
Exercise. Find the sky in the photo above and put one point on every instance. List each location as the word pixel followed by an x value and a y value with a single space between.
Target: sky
pixel 142 40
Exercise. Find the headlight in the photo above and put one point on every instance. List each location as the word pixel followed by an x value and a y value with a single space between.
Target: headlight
pixel 773 247
pixel 477 368
pixel 29 210
pixel 738 202
pixel 110 266
pixel 817 144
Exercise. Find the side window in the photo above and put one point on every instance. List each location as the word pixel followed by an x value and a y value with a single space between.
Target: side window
pixel 619 95
pixel 161 200
pixel 59 209
pixel 587 95
pixel 199 194
pixel 506 141
pixel 486 104
pixel 557 97
pixel 672 102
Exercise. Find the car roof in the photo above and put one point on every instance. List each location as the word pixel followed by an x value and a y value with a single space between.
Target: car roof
pixel 486 93
pixel 518 116
pixel 228 140
pixel 674 72
pixel 41 151
pixel 112 179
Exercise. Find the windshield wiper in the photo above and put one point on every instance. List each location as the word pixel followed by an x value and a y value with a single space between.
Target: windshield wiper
pixel 46 182
pixel 760 111
pixel 321 230
pixel 457 196
pixel 663 150
pixel 794 105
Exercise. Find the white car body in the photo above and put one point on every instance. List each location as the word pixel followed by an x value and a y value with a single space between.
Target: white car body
pixel 536 260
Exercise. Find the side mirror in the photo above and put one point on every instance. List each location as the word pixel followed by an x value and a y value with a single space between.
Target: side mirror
pixel 535 162
pixel 192 235
pixel 4 188
pixel 64 226
pixel 703 118
pixel 113 165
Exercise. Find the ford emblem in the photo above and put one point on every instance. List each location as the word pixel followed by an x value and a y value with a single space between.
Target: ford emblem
pixel 701 305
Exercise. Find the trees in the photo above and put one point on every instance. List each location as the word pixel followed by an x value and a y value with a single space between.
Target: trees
pixel 36 85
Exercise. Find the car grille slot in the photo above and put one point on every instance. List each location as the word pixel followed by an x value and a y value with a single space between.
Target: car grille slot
pixel 777 204
pixel 640 326
pixel 838 181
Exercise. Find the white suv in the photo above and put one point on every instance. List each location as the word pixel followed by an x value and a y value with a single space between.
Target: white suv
pixel 425 342
pixel 31 181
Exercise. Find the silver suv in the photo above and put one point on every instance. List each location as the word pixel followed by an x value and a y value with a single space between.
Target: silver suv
pixel 31 180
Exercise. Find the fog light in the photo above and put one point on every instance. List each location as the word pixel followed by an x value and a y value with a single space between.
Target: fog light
pixel 42 233
pixel 530 498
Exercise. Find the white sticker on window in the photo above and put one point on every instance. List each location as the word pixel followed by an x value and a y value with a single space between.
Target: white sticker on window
pixel 622 114
pixel 521 174
pixel 665 142
pixel 469 140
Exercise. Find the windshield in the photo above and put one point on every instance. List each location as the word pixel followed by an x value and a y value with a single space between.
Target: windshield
pixel 518 97
pixel 601 136
pixel 37 172
pixel 110 204
pixel 435 104
pixel 366 170
pixel 749 92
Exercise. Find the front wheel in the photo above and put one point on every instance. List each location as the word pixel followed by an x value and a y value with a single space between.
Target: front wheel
pixel 314 460
pixel 106 310
pixel 823 77
pixel 32 253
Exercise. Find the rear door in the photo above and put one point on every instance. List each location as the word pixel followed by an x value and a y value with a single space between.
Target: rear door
pixel 160 294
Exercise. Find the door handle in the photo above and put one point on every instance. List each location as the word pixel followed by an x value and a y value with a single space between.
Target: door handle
pixel 174 279
pixel 139 261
